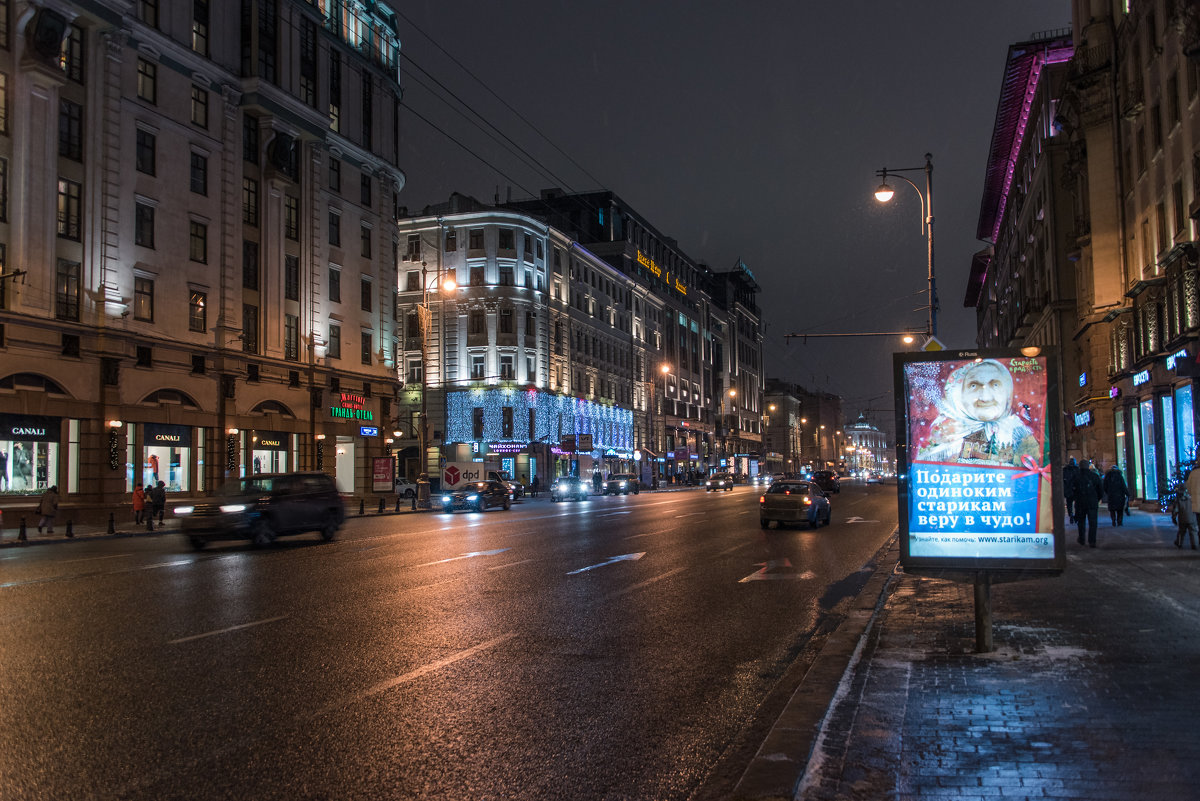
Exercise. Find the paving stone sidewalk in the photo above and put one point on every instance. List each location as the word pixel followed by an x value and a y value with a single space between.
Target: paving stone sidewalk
pixel 1091 692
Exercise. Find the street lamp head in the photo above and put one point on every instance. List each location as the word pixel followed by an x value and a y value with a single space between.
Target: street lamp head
pixel 449 284
pixel 884 193
pixel 666 368
pixel 908 339
pixel 733 393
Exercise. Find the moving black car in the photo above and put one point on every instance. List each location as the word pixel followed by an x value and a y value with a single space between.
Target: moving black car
pixel 264 506
pixel 622 484
pixel 478 496
pixel 827 480
pixel 568 488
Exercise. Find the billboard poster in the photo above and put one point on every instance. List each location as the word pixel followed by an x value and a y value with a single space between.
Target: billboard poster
pixel 976 431
pixel 383 474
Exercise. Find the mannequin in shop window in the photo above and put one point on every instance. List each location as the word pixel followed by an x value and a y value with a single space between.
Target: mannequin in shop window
pixel 154 466
pixel 22 468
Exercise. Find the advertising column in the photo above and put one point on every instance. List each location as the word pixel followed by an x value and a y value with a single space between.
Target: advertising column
pixel 976 480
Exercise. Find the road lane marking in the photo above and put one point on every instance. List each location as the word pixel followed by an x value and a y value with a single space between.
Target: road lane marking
pixel 510 564
pixel 464 556
pixel 734 548
pixel 610 514
pixel 784 572
pixel 690 514
pixel 625 557
pixel 641 584
pixel 416 674
pixel 225 630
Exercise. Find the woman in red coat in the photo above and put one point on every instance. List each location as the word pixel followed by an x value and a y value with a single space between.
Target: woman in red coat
pixel 139 503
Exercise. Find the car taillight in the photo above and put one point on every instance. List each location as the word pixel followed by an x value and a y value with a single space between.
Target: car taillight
pixel 762 498
pixel 808 501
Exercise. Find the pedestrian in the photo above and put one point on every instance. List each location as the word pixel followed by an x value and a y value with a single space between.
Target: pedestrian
pixel 48 508
pixel 597 482
pixel 1087 501
pixel 158 500
pixel 533 486
pixel 139 504
pixel 1117 493
pixel 1183 516
pixel 1193 488
pixel 1070 486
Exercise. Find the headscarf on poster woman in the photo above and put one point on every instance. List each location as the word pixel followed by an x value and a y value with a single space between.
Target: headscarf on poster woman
pixel 977 423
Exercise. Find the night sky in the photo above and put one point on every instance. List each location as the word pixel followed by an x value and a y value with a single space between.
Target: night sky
pixel 744 130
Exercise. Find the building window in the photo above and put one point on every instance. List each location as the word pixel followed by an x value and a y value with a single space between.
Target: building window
pixel 451 241
pixel 413 249
pixel 506 371
pixel 143 299
pixel 70 130
pixel 291 218
pixel 145 158
pixel 412 281
pixel 250 138
pixel 477 367
pixel 1181 218
pixel 291 337
pixel 249 328
pixel 334 349
pixel 335 229
pixel 308 62
pixel 199 106
pixel 507 241
pixel 415 372
pixel 143 225
pixel 364 287
pixel 200 26
pixel 476 322
pixel 3 190
pixel 477 275
pixel 71 54
pixel 335 285
pixel 368 109
pixel 147 12
pixel 335 175
pixel 198 311
pixel 199 174
pixel 506 275
pixel 366 346
pixel 364 191
pixel 505 321
pixel 147 83
pixel 527 251
pixel 198 242
pixel 335 89
pixel 250 201
pixel 66 290
pixel 291 277
pixel 249 264
pixel 69 209
pixel 364 238
pixel 475 240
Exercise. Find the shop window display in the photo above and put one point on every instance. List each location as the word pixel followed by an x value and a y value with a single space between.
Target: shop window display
pixel 29 453
pixel 167 457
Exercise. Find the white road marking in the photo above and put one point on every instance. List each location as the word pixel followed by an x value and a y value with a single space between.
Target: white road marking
pixel 610 514
pixel 94 558
pixel 418 673
pixel 464 556
pixel 625 557
pixel 641 584
pixel 224 631
pixel 510 564
pixel 734 548
pixel 690 514
pixel 786 575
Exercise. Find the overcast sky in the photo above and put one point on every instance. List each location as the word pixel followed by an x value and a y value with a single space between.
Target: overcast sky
pixel 745 130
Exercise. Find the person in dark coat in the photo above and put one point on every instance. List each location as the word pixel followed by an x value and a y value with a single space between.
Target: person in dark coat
pixel 1070 486
pixel 1117 493
pixel 1087 501
pixel 158 501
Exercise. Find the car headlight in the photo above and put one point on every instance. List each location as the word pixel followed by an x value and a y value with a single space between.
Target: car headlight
pixel 446 499
pixel 184 510
pixel 472 497
pixel 233 507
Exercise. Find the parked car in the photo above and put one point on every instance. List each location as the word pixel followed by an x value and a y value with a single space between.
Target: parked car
pixel 518 489
pixel 478 496
pixel 719 481
pixel 794 501
pixel 568 488
pixel 264 506
pixel 827 480
pixel 622 484
pixel 405 488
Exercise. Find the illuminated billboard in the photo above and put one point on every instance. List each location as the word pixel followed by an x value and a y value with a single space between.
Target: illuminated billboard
pixel 977 457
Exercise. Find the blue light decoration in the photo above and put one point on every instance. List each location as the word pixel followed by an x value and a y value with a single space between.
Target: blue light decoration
pixel 555 416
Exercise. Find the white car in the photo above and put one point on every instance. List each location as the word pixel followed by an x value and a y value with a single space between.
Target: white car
pixel 405 488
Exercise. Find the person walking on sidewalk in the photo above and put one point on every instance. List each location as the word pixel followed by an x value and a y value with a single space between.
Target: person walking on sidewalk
pixel 1117 493
pixel 1070 486
pixel 139 504
pixel 1087 501
pixel 158 500
pixel 48 508
pixel 1193 487
pixel 1182 516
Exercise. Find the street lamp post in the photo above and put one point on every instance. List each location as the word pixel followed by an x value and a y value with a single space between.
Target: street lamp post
pixel 446 284
pixel 884 193
pixel 664 368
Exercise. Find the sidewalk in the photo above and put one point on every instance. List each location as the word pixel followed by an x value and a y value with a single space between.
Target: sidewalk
pixel 1089 694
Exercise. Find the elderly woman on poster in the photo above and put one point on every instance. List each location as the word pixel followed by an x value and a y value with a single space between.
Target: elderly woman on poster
pixel 977 423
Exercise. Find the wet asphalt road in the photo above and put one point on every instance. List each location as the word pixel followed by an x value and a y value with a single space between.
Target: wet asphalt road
pixel 505 655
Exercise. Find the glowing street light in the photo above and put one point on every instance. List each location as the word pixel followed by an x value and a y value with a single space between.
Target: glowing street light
pixel 885 193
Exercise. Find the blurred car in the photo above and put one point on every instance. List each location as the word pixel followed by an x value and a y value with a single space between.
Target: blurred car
pixel 264 506
pixel 719 481
pixel 622 484
pixel 874 478
pixel 566 488
pixel 405 488
pixel 516 487
pixel 478 496
pixel 794 501
pixel 827 480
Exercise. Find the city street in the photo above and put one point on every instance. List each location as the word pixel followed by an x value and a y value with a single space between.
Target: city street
pixel 621 647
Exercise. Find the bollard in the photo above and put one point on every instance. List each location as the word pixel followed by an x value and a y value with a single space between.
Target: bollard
pixel 70 529
pixel 21 535
pixel 150 522
pixel 380 506
pixel 362 507
pixel 112 526
pixel 414 500
pixel 397 504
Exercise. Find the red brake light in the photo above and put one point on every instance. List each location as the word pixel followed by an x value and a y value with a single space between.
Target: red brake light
pixel 762 498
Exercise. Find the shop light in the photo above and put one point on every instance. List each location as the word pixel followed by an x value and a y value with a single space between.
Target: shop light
pixel 231 431
pixel 115 424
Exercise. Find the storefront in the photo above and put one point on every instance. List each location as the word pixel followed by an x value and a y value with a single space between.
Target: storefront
pixel 1155 427
pixel 167 456
pixel 271 452
pixel 29 453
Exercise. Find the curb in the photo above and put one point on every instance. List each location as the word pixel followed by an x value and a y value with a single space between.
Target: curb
pixel 779 766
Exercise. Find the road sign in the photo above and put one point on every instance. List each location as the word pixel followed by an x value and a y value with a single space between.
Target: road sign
pixel 567 444
pixel 585 442
pixel 933 344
